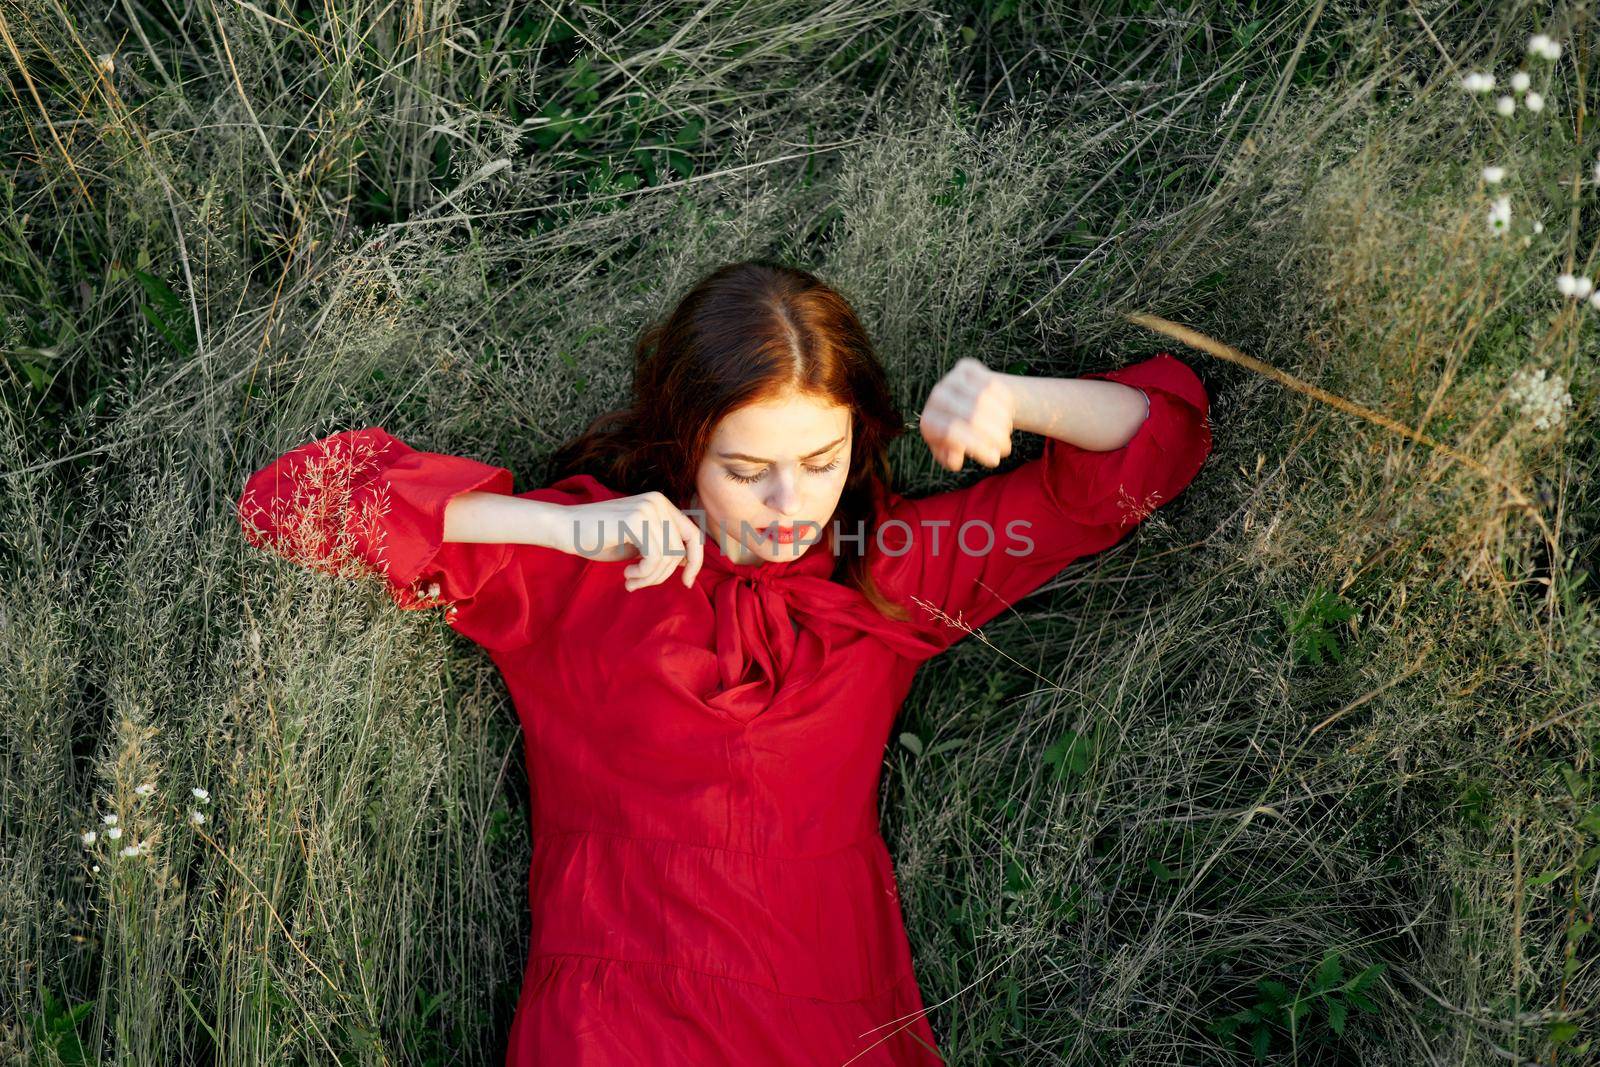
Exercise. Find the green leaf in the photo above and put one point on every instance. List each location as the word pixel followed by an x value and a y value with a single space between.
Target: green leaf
pixel 1366 977
pixel 690 133
pixel 1161 870
pixel 1337 1012
pixel 1017 879
pixel 166 313
pixel 1262 1042
pixel 1071 756
pixel 1562 1032
pixel 1276 992
pixel 1329 974
pixel 912 742
pixel 1243 35
pixel 1545 879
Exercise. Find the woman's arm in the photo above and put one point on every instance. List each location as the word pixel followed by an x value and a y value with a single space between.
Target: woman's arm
pixel 646 525
pixel 972 552
pixel 494 518
pixel 1093 414
pixel 974 411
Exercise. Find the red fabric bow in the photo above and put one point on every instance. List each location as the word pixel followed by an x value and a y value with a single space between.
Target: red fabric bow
pixel 759 652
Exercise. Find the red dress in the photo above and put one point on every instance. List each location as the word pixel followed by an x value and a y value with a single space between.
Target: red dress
pixel 708 882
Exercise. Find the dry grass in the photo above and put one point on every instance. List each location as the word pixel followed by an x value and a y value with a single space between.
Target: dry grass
pixel 1140 800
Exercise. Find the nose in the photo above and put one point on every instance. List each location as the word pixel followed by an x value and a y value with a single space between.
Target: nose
pixel 785 498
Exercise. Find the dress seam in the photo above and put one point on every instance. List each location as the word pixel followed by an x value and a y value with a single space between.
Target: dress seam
pixel 720 977
pixel 712 848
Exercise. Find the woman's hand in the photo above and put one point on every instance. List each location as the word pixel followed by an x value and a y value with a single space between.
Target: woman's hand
pixel 971 412
pixel 616 529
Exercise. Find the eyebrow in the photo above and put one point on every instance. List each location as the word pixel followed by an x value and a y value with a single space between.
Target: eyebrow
pixel 757 459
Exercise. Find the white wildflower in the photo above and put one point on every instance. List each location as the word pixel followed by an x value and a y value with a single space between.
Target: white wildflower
pixel 1506 105
pixel 1582 286
pixel 1478 82
pixel 1541 45
pixel 114 833
pixel 1541 397
pixel 433 590
pixel 109 820
pixel 201 795
pixel 95 868
pixel 1533 102
pixel 1594 299
pixel 1552 50
pixel 196 818
pixel 1538 227
pixel 87 837
pixel 1500 214
pixel 130 850
pixel 144 789
pixel 1494 175
pixel 1597 172
pixel 105 63
pixel 1520 81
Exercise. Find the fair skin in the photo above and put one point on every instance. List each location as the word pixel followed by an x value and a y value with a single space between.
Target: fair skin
pixel 784 462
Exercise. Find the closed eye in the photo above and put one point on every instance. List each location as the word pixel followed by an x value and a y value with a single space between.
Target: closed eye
pixel 757 477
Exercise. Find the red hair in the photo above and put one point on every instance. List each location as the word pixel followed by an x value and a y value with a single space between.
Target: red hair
pixel 748 332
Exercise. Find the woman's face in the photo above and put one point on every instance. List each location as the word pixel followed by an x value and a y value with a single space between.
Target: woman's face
pixel 770 465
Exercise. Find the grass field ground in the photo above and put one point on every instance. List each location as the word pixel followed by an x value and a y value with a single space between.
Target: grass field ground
pixel 1302 772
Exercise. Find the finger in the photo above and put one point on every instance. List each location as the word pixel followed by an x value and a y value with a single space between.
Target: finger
pixel 673 552
pixel 648 569
pixel 947 451
pixel 949 436
pixel 660 564
pixel 996 445
pixel 634 574
pixel 992 444
pixel 975 443
pixel 694 550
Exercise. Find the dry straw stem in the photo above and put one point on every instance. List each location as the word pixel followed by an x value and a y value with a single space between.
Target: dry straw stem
pixel 1205 344
pixel 44 113
pixel 274 911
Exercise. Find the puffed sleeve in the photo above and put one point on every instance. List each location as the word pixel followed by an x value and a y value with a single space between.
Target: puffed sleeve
pixel 973 552
pixel 363 503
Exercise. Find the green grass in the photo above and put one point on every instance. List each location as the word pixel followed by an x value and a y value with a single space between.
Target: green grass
pixel 1302 772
